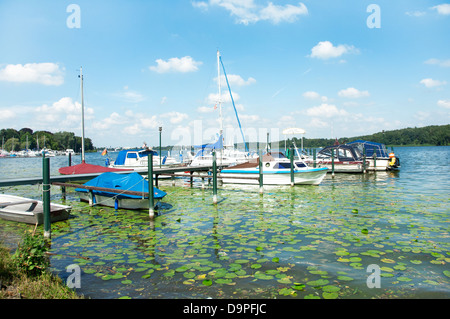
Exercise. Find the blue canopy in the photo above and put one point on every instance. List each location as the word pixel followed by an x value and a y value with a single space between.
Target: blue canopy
pixel 121 157
pixel 216 145
pixel 371 148
pixel 129 182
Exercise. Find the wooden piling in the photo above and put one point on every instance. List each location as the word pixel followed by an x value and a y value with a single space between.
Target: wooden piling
pixel 151 193
pixel 46 196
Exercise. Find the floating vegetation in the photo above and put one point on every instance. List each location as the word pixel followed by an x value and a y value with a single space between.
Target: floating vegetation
pixel 301 242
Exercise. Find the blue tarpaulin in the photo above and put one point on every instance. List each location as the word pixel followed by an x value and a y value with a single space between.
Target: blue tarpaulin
pixel 130 182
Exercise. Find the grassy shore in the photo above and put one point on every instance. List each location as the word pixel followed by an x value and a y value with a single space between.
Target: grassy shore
pixel 17 283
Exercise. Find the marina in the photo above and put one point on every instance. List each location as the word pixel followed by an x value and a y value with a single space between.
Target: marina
pixel 288 242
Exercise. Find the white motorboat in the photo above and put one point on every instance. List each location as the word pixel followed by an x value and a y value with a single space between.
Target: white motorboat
pixel 276 171
pixel 30 211
pixel 138 159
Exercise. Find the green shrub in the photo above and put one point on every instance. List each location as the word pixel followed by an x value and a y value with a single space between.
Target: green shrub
pixel 30 255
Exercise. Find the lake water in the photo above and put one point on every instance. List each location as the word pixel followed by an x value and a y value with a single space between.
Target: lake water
pixel 300 242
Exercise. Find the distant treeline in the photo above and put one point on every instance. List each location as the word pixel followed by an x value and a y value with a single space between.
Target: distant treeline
pixel 438 135
pixel 13 140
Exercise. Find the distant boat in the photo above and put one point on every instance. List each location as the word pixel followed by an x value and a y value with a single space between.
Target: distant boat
pixel 276 171
pixel 119 182
pixel 347 159
pixel 25 210
pixel 69 151
pixel 377 153
pixel 134 159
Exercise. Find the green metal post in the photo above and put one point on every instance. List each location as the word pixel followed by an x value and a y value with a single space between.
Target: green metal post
pixel 332 163
pixel 151 194
pixel 160 155
pixel 46 197
pixel 375 161
pixel 261 181
pixel 214 179
pixel 364 160
pixel 314 158
pixel 291 155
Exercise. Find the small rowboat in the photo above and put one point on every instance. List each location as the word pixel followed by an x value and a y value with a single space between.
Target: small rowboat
pixel 30 211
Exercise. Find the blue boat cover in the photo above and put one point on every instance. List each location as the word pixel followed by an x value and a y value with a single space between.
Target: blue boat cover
pixel 120 160
pixel 131 182
pixel 216 145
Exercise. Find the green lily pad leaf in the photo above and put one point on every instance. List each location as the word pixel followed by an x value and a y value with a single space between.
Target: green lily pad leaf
pixel 224 281
pixel 317 283
pixel 330 288
pixel 126 282
pixel 344 278
pixel 354 211
pixel 404 278
pixel 255 266
pixel 207 282
pixel 275 259
pixel 330 295
pixel 447 273
pixel 298 286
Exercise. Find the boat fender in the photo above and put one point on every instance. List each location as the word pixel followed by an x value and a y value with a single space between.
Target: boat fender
pixel 107 162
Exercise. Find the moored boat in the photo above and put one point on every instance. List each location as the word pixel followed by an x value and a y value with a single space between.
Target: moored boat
pixel 108 189
pixel 347 159
pixel 30 211
pixel 276 171
pixel 377 155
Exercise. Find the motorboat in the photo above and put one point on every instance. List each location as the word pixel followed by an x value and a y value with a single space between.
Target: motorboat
pixel 347 159
pixel 30 211
pixel 378 156
pixel 136 159
pixel 107 191
pixel 276 169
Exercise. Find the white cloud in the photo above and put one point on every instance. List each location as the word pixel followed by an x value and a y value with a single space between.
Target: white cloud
pixel 442 63
pixel 430 83
pixel 175 117
pixel 42 73
pixel 325 110
pixel 182 65
pixel 7 115
pixel 130 96
pixel 444 103
pixel 234 80
pixel 314 96
pixel 247 11
pixel 326 50
pixel 443 9
pixel 415 13
pixel 64 113
pixel 205 109
pixel 353 93
pixel 213 98
pixel 277 14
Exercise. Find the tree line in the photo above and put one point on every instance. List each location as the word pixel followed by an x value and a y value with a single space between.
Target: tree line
pixel 13 140
pixel 437 135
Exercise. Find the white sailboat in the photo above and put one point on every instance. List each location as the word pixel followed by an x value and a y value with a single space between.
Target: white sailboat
pixel 225 155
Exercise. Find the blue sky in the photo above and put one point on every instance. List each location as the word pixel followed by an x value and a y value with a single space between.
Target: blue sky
pixel 333 68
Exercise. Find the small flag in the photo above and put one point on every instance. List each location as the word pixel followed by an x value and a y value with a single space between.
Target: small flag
pixel 104 152
pixel 215 107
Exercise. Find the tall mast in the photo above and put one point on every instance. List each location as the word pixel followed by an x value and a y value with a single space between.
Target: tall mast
pixel 220 94
pixel 82 116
